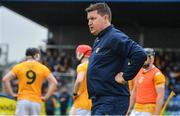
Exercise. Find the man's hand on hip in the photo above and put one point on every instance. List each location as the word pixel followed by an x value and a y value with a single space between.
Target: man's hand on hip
pixel 119 78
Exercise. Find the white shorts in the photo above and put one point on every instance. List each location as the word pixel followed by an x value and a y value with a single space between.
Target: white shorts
pixel 79 112
pixel 136 113
pixel 26 107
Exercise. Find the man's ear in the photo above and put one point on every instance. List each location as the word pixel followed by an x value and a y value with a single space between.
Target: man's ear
pixel 36 55
pixel 106 17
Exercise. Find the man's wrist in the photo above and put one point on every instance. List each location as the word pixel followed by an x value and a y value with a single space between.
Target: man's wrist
pixel 123 76
pixel 75 94
pixel 46 97
pixel 124 81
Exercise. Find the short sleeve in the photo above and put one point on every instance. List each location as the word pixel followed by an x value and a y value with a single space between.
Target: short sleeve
pixel 80 68
pixel 15 70
pixel 130 82
pixel 46 71
pixel 159 78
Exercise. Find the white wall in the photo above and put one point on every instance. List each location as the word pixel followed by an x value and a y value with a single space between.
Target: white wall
pixel 19 33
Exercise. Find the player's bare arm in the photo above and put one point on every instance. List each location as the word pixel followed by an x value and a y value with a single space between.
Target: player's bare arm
pixel 160 90
pixel 132 98
pixel 6 80
pixel 52 86
pixel 119 78
pixel 79 79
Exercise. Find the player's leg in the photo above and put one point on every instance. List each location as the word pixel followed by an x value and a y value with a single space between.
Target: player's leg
pixel 35 108
pixel 83 112
pixel 79 112
pixel 136 113
pixel 22 108
pixel 72 111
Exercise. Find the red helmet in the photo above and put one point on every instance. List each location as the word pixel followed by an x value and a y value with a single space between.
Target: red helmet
pixel 85 49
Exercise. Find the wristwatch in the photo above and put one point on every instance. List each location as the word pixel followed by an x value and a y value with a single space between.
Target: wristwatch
pixel 75 94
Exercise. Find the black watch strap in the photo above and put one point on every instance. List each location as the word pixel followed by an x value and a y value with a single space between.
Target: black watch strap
pixel 75 94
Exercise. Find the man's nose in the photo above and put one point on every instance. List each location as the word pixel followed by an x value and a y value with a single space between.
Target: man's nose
pixel 89 22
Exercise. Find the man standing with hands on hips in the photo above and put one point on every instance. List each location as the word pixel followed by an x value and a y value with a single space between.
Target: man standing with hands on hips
pixel 30 74
pixel 108 68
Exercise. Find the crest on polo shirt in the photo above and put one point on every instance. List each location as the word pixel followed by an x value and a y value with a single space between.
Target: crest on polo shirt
pixel 97 50
pixel 141 79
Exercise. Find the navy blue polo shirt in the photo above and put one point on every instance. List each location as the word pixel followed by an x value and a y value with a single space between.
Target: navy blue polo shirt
pixel 111 52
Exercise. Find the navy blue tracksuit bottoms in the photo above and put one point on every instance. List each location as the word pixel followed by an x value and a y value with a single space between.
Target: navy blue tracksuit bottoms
pixel 110 105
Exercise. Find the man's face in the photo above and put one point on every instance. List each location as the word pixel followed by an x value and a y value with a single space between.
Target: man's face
pixel 150 60
pixel 96 22
pixel 147 62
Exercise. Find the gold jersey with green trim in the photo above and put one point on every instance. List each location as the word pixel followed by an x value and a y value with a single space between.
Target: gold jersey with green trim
pixel 30 76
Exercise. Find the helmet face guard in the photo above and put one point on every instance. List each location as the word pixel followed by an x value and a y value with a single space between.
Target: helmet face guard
pixel 149 51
